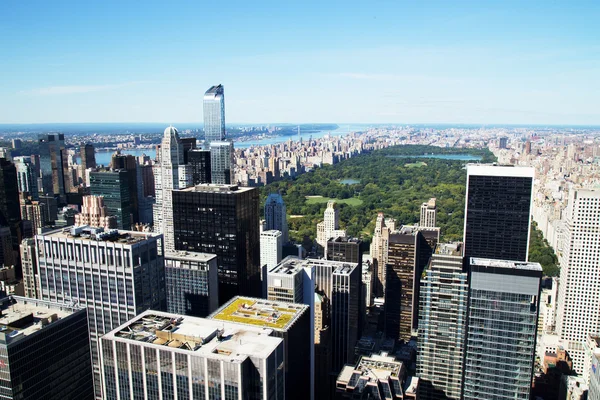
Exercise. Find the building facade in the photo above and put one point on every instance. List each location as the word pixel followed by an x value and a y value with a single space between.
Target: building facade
pixel 214 114
pixel 161 355
pixel 115 274
pixel 53 164
pixel 94 213
pixel 428 214
pixel 192 283
pixel 221 161
pixel 276 215
pixel 113 186
pixel 199 162
pixel 498 212
pixel 271 245
pixel 222 220
pixel 501 329
pixel 330 226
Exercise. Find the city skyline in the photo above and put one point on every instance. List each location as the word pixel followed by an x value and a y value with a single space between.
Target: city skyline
pixel 506 63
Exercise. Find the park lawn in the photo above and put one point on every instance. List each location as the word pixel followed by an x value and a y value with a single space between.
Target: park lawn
pixel 416 165
pixel 352 201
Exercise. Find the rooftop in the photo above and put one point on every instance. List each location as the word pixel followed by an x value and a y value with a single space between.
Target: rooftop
pixel 22 316
pixel 500 170
pixel 189 256
pixel 450 249
pixel 260 312
pixel 213 187
pixel 520 265
pixel 273 233
pixel 100 235
pixel 204 337
pixel 288 266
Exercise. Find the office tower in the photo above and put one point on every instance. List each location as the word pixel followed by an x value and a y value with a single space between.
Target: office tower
pixel 129 163
pixel 27 177
pixel 17 143
pixel 442 324
pixel 53 164
pixel 148 188
pixel 578 303
pixel 113 186
pixel 497 212
pixel 94 213
pixel 275 215
pixel 428 214
pixel 188 144
pixel 222 220
pixel 30 268
pixel 199 162
pixel 88 156
pixel 345 249
pixel 116 274
pixel 377 377
pixel 323 385
pixel 214 114
pixel 161 355
pixel 10 214
pixel 330 226
pixel 45 349
pixel 192 283
pixel 379 251
pixel 288 321
pixel 7 254
pixel 502 142
pixel 35 212
pixel 221 160
pixel 501 326
pixel 271 245
pixel 409 250
pixel 166 179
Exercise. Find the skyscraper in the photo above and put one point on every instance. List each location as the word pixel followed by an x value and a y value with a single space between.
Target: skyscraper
pixel 45 349
pixel 30 269
pixel 330 226
pixel 176 356
pixel 275 215
pixel 10 213
pixel 27 177
pixel 192 283
pixel 497 212
pixel 222 220
pixel 221 159
pixel 271 247
pixel 53 164
pixel 442 324
pixel 113 186
pixel 116 274
pixel 94 213
pixel 345 249
pixel 428 214
pixel 379 251
pixel 166 179
pixel 578 302
pixel 128 163
pixel 199 161
pixel 409 252
pixel 214 114
pixel 88 156
pixel 501 327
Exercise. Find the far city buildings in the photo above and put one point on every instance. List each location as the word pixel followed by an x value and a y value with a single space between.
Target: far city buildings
pixel 275 215
pixel 498 212
pixel 45 350
pixel 222 220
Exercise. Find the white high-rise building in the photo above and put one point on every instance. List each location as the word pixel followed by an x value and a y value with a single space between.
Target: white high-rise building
pixel 221 157
pixel 379 251
pixel 271 247
pixel 428 214
pixel 330 226
pixel 166 178
pixel 214 114
pixel 578 305
pixel 275 215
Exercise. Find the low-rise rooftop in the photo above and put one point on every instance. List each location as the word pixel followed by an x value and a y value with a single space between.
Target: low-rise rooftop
pixel 272 314
pixel 88 233
pixel 22 316
pixel 202 336
pixel 450 249
pixel 213 187
pixel 189 256
pixel 519 265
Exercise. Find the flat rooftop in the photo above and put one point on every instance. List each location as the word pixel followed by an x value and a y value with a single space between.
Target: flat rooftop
pixel 519 265
pixel 201 336
pixel 500 170
pixel 189 256
pixel 272 314
pixel 22 316
pixel 87 233
pixel 216 188
pixel 450 249
pixel 288 266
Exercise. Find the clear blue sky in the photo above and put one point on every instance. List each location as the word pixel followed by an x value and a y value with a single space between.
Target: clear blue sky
pixel 370 61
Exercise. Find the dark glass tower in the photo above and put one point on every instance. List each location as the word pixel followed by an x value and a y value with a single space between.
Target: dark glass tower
pixel 10 212
pixel 129 163
pixel 199 160
pixel 114 186
pixel 497 212
pixel 222 220
pixel 88 156
pixel 53 164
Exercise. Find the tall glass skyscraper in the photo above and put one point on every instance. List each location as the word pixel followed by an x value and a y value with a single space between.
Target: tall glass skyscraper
pixel 214 114
pixel 501 327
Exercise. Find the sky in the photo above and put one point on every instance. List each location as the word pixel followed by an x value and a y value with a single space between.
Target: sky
pixel 477 62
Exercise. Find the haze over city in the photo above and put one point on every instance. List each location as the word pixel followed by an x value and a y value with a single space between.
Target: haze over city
pixel 506 62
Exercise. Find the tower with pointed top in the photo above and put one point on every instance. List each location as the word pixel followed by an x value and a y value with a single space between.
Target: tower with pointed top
pixel 166 178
